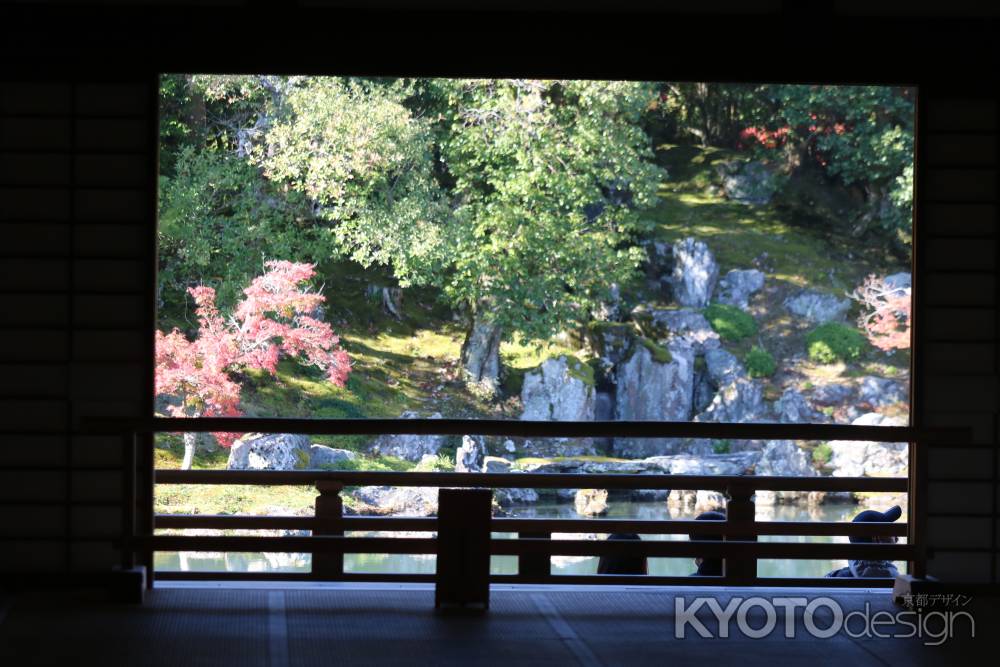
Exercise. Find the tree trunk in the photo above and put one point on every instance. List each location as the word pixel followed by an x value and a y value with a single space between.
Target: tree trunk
pixel 190 444
pixel 481 354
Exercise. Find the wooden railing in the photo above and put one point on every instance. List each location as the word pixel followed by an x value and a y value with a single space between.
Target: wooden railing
pixel 330 529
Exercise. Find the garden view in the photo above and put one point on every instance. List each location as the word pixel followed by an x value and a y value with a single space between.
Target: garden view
pixel 345 247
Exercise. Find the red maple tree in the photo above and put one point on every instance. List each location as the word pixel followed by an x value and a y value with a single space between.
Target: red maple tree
pixel 275 319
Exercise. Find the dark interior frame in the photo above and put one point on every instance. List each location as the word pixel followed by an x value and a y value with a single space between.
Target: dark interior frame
pixel 88 43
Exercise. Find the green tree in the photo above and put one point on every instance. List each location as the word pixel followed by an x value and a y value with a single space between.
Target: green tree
pixel 861 135
pixel 220 220
pixel 366 161
pixel 520 199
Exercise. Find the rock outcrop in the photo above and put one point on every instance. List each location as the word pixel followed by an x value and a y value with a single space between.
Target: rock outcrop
pixel 560 389
pixel 723 367
pixel 397 500
pixel 682 325
pixel 409 447
pixel 591 502
pixel 737 286
pixel 868 458
pixel 271 451
pixel 793 408
pixel 817 307
pixel 740 401
pixel 783 458
pixel 651 386
pixel 694 274
pixel 321 455
pixel 748 182
pixel 469 457
pixel 880 392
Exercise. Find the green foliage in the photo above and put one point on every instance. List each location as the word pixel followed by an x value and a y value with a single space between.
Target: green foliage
pixel 822 454
pixel 731 323
pixel 712 114
pixel 861 135
pixel 722 446
pixel 375 463
pixel 367 162
pixel 440 463
pixel 580 370
pixel 659 354
pixel 220 221
pixel 833 341
pixel 760 363
pixel 546 220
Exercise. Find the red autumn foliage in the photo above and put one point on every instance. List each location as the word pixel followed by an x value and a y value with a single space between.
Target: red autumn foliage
pixel 274 320
pixel 886 313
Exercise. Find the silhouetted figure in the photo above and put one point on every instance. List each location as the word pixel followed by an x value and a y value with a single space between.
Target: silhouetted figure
pixel 709 567
pixel 622 564
pixel 871 568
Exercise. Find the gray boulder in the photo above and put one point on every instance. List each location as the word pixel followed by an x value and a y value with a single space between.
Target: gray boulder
pixel 515 497
pixel 793 408
pixel 868 458
pixel 695 273
pixel 817 307
pixel 561 389
pixel 723 367
pixel 748 182
pixel 686 326
pixel 398 500
pixel 704 392
pixel 737 286
pixel 610 341
pixel 740 463
pixel 783 458
pixel 272 451
pixel 591 502
pixel 647 389
pixel 558 390
pixel 879 392
pixel 321 455
pixel 409 447
pixel 740 401
pixel 469 457
pixel 832 394
pixel 496 464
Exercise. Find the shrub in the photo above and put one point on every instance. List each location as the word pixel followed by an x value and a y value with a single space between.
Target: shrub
pixel 830 342
pixel 822 454
pixel 730 322
pixel 721 446
pixel 760 363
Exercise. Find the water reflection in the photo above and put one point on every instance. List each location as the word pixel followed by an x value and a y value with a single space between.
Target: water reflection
pixel 424 564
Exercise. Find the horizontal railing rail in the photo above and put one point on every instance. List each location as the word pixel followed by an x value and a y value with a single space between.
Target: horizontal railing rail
pixel 511 525
pixel 532 429
pixel 332 533
pixel 532 480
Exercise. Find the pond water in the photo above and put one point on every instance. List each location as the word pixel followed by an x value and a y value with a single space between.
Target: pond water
pixel 424 564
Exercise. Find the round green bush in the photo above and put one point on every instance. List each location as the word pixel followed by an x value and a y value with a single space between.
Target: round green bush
pixel 730 322
pixel 760 363
pixel 830 342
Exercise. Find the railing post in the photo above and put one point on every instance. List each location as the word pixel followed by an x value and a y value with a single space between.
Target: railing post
pixel 462 577
pixel 329 521
pixel 534 566
pixel 740 508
